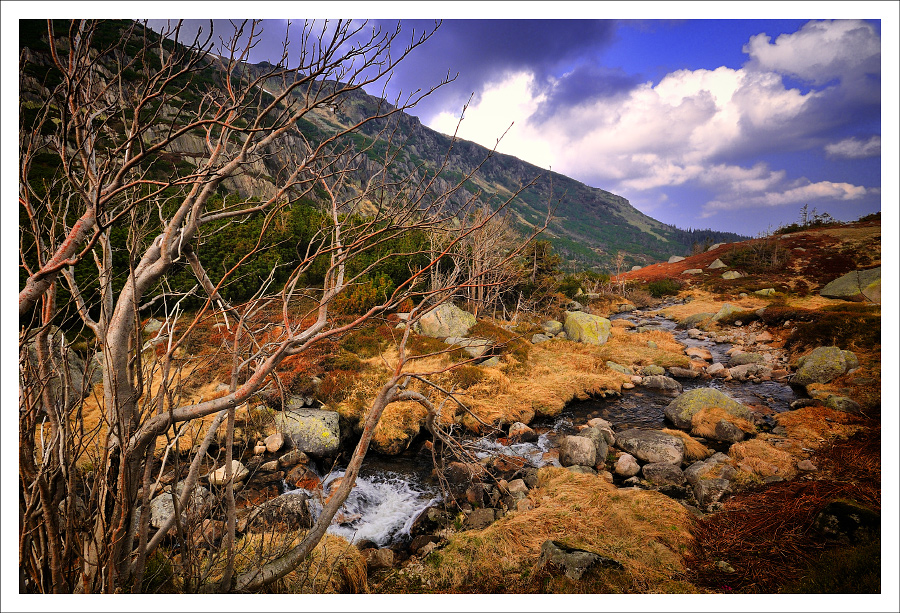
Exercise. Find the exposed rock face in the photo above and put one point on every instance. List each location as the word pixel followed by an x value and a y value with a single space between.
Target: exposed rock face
pixel 445 320
pixel 584 328
pixel 682 409
pixel 311 431
pixel 822 365
pixel 859 285
pixel 651 445
pixel 710 478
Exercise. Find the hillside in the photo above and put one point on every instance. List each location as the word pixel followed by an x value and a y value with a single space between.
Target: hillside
pixel 589 225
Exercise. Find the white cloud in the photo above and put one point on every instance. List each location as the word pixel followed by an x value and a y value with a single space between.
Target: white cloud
pixel 855 148
pixel 822 190
pixel 819 51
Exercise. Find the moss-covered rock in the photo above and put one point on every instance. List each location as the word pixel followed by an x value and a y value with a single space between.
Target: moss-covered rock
pixel 682 409
pixel 584 328
pixel 858 285
pixel 823 365
pixel 312 431
pixel 692 321
pixel 725 311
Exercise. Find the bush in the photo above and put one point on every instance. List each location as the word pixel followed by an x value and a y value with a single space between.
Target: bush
pixel 364 295
pixel 569 285
pixel 664 287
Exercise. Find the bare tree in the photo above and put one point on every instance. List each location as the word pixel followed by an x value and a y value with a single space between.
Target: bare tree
pixel 108 113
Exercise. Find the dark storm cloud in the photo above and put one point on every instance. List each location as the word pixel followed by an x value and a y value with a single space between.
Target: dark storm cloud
pixel 586 83
pixel 481 51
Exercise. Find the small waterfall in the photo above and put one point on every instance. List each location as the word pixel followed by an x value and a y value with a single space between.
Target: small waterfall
pixel 381 506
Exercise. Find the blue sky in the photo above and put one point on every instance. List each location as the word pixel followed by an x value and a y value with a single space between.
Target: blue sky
pixel 732 124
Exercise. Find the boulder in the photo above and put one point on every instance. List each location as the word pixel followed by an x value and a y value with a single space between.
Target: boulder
pixel 479 519
pixel 274 442
pixel 601 446
pixel 683 373
pixel 859 286
pixel 653 370
pixel 475 347
pixel 585 328
pixel 765 292
pixel 162 507
pixel 698 352
pixel 675 258
pixel 312 431
pixel 577 451
pixel 821 366
pixel 573 562
pixel 717 264
pixel 717 370
pixel 635 267
pixel 694 320
pixel 445 320
pixel 619 368
pixel 749 371
pixel 520 433
pixel 727 432
pixel 379 558
pixel 627 466
pixel 692 271
pixel 651 445
pixel 726 310
pixel 682 409
pixel 625 307
pixel 539 338
pixel 661 382
pixel 842 403
pixel 552 327
pixel 663 473
pixel 67 369
pixel 745 357
pixel 731 274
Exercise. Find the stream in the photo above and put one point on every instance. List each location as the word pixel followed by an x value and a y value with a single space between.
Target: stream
pixel 391 492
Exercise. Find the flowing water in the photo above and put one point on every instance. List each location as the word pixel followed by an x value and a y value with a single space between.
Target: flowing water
pixel 392 491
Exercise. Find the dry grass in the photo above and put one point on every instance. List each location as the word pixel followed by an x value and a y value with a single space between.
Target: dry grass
pixel 693 449
pixel 646 532
pixel 707 302
pixel 758 457
pixel 335 566
pixel 813 427
pixel 703 423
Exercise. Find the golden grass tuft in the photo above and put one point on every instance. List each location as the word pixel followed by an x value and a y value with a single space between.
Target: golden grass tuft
pixel 693 449
pixel 814 426
pixel 758 457
pixel 647 532
pixel 335 566
pixel 704 421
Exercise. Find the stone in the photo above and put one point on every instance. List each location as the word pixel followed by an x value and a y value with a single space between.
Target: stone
pixel 661 382
pixel 842 403
pixel 717 263
pixel 717 370
pixel 745 357
pixel 274 442
pixel 821 366
pixel 858 285
pixel 301 477
pixel 619 368
pixel 600 445
pixel 517 486
pixel 806 466
pixel 710 491
pixel 727 432
pixel 577 450
pixel 681 410
pixel 490 362
pixel 725 310
pixel 520 433
pixel 683 373
pixel 479 519
pixel 698 352
pixel 238 473
pixel 653 370
pixel 539 338
pixel 625 307
pixel 152 326
pixel 627 466
pixel 663 473
pixel 286 512
pixel 691 321
pixel 552 327
pixel 651 445
pixel 269 466
pixel 848 521
pixel 675 258
pixel 292 458
pixel 585 328
pixel 692 271
pixel 582 470
pixel 731 274
pixel 444 321
pixel 749 371
pixel 635 267
pixel 475 347
pixel 764 337
pixel 769 291
pixel 162 507
pixel 379 558
pixel 572 561
pixel 313 431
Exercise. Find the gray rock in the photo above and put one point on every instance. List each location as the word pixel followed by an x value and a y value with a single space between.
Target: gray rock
pixel 653 370
pixel 582 470
pixel 479 519
pixel 311 431
pixel 520 433
pixel 152 325
pixel 749 371
pixel 731 274
pixel 842 403
pixel 765 292
pixel 709 491
pixel 552 327
pixel 627 466
pixel 859 285
pixel 651 445
pixel 726 310
pixel 292 458
pixel 694 320
pixel 600 445
pixel 663 473
pixel 717 264
pixel 379 558
pixel 288 512
pixel 577 450
pixel 162 507
pixel 683 373
pixel 475 347
pixel 727 432
pixel 238 472
pixel 572 561
pixel 675 258
pixel 539 338
pixel 693 271
pixel 619 368
pixel 661 382
pixel 745 357
pixel 717 370
pixel 274 442
pixel 444 321
pixel 634 268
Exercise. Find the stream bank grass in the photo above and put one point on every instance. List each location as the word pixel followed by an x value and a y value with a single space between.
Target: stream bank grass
pixel 693 449
pixel 647 532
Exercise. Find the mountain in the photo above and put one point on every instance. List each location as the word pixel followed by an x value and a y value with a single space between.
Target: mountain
pixel 589 225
